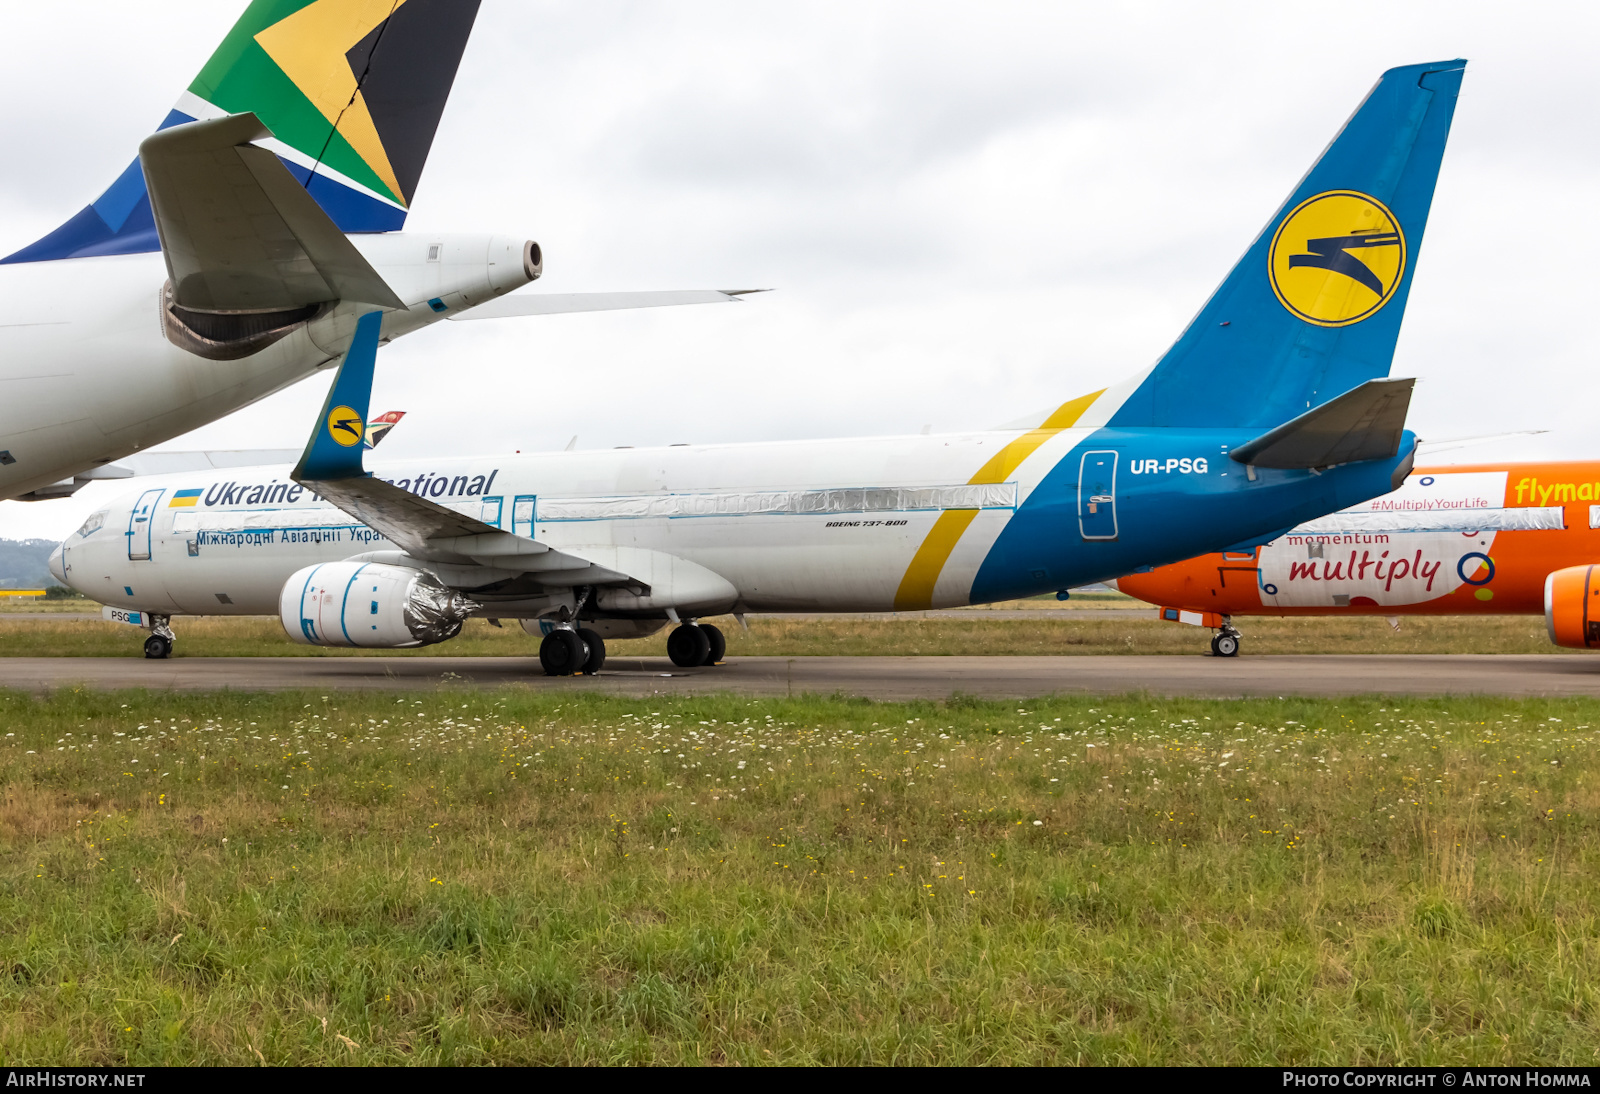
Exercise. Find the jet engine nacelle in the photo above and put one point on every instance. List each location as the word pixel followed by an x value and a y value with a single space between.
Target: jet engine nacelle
pixel 370 605
pixel 1572 607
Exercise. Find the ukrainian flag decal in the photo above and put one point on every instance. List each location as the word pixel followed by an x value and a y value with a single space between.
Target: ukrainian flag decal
pixel 184 499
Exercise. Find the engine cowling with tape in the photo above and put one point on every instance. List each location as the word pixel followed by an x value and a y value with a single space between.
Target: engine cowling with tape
pixel 370 605
pixel 1572 607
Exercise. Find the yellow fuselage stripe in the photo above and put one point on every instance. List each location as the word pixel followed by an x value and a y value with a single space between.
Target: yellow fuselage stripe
pixel 916 588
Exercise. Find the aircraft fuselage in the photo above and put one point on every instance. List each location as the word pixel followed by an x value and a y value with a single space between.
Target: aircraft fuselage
pixel 870 524
pixel 88 374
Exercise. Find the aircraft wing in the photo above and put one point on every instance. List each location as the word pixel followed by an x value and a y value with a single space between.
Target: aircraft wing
pixel 563 303
pixel 332 466
pixel 431 532
pixel 239 233
pixel 214 459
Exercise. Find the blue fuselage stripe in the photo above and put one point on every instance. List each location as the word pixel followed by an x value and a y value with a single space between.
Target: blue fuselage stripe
pixel 345 604
pixel 307 626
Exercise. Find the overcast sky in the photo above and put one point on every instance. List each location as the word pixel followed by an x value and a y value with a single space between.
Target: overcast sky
pixel 969 211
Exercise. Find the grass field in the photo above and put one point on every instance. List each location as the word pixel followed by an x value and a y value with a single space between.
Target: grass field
pixel 503 877
pixel 1076 632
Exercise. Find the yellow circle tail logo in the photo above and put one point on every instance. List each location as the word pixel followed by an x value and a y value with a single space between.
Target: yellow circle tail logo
pixel 345 426
pixel 1337 258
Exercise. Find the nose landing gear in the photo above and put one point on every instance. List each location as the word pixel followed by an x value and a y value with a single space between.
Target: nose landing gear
pixel 1225 643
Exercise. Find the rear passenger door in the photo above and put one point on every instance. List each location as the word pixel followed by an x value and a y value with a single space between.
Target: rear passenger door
pixel 1097 495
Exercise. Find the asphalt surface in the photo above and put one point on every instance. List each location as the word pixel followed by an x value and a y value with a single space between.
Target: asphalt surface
pixel 871 677
pixel 1075 614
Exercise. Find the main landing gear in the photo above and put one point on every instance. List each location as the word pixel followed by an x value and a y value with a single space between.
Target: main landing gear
pixel 158 647
pixel 568 651
pixel 1225 643
pixel 692 645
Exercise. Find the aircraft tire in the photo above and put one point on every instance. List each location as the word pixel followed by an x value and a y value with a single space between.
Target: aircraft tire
pixel 562 653
pixel 157 648
pixel 719 644
pixel 1225 645
pixel 595 648
pixel 688 646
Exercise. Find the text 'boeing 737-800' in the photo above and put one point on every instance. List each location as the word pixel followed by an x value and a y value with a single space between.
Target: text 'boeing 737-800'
pixel 1272 408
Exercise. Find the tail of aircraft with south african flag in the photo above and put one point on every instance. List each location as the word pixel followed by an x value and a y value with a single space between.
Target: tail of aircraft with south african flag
pixel 352 91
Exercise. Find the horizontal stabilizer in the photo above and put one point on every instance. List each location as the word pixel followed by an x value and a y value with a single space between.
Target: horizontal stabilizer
pixel 1548 518
pixel 160 463
pixel 562 303
pixel 1365 423
pixel 1427 449
pixel 216 459
pixel 175 463
pixel 239 233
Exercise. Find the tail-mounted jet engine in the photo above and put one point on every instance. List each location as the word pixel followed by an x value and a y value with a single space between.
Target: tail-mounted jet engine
pixel 370 605
pixel 1572 607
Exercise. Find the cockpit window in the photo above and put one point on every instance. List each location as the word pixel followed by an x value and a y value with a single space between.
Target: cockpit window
pixel 95 522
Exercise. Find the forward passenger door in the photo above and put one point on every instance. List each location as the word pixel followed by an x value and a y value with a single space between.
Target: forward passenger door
pixel 139 521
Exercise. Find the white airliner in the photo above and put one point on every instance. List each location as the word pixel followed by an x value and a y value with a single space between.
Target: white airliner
pixel 233 255
pixel 1271 409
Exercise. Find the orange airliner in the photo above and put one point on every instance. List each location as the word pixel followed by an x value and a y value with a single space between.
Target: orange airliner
pixel 1513 539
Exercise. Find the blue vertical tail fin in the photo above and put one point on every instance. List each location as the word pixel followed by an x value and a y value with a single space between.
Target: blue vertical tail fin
pixel 1313 308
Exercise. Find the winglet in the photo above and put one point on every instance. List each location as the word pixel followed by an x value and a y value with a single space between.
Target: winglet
pixel 335 449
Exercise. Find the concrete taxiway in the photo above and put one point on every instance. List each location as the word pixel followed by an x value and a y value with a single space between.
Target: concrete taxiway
pixel 871 677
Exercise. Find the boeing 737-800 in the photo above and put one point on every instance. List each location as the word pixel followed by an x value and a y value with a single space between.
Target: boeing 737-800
pixel 1272 408
pixel 234 254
